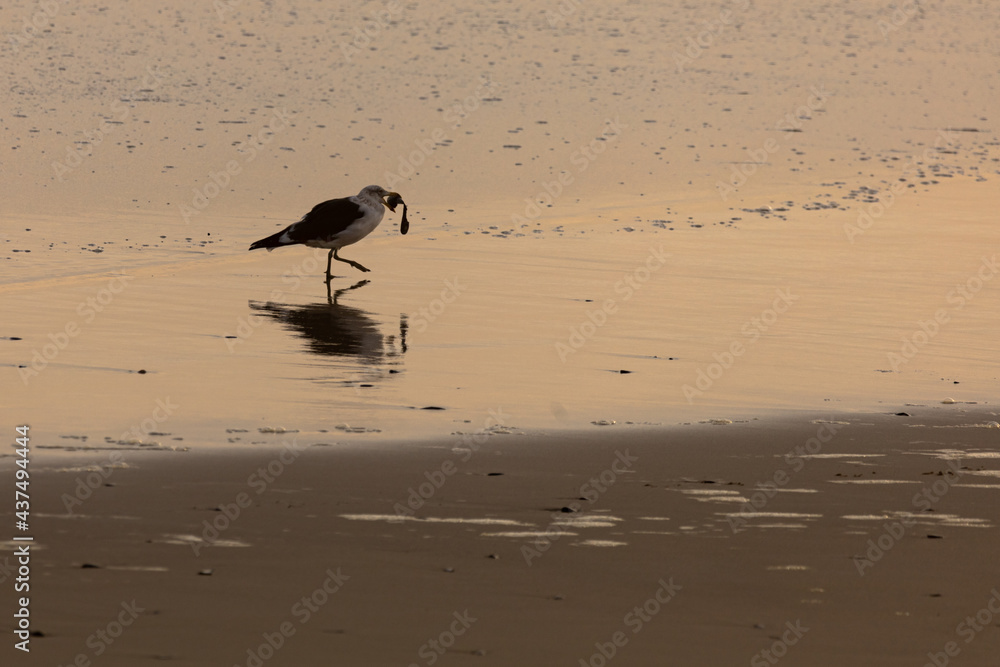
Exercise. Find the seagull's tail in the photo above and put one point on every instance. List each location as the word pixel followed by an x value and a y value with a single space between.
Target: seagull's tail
pixel 271 242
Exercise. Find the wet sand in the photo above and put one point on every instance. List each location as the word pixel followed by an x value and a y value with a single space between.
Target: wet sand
pixel 649 327
pixel 686 232
pixel 872 536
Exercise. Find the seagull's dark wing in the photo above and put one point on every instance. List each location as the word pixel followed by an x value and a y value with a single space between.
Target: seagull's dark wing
pixel 325 220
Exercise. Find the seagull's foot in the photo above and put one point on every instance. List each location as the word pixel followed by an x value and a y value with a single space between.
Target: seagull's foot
pixel 351 262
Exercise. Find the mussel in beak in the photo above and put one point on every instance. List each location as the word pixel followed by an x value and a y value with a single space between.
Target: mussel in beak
pixel 394 200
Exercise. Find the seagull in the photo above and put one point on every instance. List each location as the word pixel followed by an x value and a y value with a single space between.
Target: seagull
pixel 336 223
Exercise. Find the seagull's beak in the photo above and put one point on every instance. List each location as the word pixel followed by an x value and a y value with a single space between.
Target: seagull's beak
pixel 390 195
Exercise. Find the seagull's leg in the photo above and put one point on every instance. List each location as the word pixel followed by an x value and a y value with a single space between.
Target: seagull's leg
pixel 347 261
pixel 329 257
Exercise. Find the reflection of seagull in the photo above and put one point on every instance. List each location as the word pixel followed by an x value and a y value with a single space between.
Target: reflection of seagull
pixel 334 329
pixel 336 223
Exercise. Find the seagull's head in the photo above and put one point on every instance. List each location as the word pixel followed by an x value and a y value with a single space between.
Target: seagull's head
pixel 380 194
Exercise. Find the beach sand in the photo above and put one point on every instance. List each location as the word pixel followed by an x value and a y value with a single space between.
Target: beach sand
pixel 697 234
pixel 873 536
